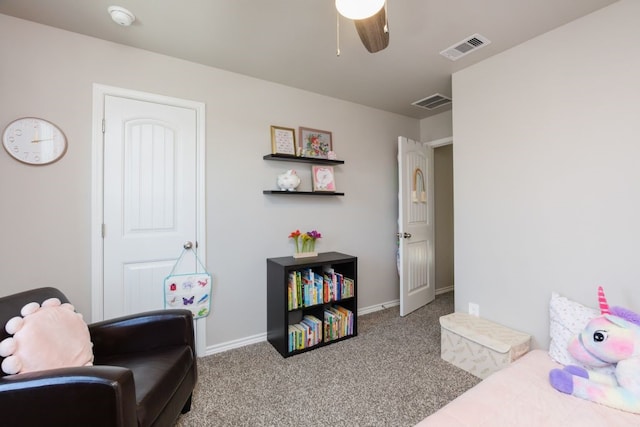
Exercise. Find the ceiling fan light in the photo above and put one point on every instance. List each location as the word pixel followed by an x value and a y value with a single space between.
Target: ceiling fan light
pixel 358 9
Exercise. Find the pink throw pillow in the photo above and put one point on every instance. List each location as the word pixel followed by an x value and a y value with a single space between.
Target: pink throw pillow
pixel 46 337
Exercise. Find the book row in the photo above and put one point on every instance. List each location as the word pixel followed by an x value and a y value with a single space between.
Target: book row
pixel 338 323
pixel 305 334
pixel 306 287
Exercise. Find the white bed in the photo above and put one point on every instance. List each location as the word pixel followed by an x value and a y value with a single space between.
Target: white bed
pixel 520 395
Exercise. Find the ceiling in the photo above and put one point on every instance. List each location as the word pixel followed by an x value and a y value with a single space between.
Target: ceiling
pixel 293 42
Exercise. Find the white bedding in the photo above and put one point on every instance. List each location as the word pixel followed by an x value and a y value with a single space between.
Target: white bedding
pixel 520 395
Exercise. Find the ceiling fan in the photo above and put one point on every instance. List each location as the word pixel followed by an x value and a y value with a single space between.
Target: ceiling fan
pixel 370 19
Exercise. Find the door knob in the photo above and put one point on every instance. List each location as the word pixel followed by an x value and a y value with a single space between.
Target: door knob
pixel 187 245
pixel 403 235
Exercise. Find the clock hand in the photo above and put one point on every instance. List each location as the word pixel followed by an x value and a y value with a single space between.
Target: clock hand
pixel 44 139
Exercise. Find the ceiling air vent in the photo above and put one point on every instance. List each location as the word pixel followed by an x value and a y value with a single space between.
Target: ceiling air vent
pixel 432 102
pixel 465 46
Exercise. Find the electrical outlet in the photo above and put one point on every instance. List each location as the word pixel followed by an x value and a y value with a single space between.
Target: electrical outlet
pixel 474 309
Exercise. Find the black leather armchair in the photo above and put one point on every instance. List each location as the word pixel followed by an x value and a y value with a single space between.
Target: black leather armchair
pixel 144 373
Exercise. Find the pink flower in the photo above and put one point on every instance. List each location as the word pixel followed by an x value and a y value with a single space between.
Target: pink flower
pixel 308 240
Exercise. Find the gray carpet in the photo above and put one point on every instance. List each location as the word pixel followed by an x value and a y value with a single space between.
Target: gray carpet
pixel 391 374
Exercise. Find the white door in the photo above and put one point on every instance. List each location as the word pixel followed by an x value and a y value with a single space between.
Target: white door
pixel 148 197
pixel 150 211
pixel 149 200
pixel 415 225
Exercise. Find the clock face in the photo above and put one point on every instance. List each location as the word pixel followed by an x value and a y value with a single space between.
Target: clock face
pixel 34 141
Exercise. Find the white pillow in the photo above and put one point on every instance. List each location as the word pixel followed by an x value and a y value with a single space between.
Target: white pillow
pixel 566 319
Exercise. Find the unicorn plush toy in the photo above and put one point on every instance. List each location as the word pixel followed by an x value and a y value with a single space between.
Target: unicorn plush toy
pixel 611 339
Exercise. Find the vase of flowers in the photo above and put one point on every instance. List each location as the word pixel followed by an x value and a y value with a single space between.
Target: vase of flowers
pixel 305 243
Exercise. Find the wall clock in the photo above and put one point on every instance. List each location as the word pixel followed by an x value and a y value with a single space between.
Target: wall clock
pixel 34 141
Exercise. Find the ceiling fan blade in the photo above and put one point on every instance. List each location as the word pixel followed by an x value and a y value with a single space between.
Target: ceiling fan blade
pixel 371 31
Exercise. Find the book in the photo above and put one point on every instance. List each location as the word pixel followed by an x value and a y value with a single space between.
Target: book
pixel 347 318
pixel 306 276
pixel 348 288
pixel 330 283
pixel 315 329
pixel 338 287
pixel 318 289
pixel 292 292
pixel 291 338
pixel 299 337
pixel 339 322
pixel 333 324
pixel 326 286
pixel 307 334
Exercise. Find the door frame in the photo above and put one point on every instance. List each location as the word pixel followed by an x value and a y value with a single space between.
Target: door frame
pixel 440 142
pixel 97 191
pixel 436 143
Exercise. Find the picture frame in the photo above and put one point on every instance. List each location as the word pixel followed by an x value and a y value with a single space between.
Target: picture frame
pixel 315 143
pixel 323 178
pixel 283 140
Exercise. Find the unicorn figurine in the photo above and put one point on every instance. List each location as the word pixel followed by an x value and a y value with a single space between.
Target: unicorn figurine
pixel 611 339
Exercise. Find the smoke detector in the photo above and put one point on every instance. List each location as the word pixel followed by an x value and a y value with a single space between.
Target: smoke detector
pixel 121 16
pixel 465 47
pixel 432 102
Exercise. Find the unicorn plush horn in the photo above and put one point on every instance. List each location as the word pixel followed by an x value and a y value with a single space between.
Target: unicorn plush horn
pixel 602 301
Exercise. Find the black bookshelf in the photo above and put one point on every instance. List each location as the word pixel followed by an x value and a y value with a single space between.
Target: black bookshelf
pixel 279 317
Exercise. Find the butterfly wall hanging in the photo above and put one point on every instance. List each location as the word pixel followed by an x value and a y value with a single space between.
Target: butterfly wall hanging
pixel 190 291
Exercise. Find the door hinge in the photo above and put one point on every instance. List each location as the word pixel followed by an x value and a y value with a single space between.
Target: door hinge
pixel 102 125
pixel 103 229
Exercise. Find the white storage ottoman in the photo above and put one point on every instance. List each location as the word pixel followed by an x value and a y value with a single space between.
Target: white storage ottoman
pixel 479 346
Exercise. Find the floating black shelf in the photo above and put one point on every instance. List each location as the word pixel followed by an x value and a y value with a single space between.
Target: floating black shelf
pixel 288 158
pixel 303 193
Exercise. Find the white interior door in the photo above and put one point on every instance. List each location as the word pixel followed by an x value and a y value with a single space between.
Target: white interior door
pixel 415 225
pixel 149 200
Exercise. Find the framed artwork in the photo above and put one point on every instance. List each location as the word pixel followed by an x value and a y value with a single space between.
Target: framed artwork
pixel 323 179
pixel 283 140
pixel 315 143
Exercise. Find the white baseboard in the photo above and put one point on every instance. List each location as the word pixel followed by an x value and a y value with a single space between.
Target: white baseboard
pixel 378 307
pixel 230 345
pixel 254 339
pixel 444 290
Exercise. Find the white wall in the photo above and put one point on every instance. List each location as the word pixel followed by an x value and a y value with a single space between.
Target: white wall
pixel 436 127
pixel 46 211
pixel 546 176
